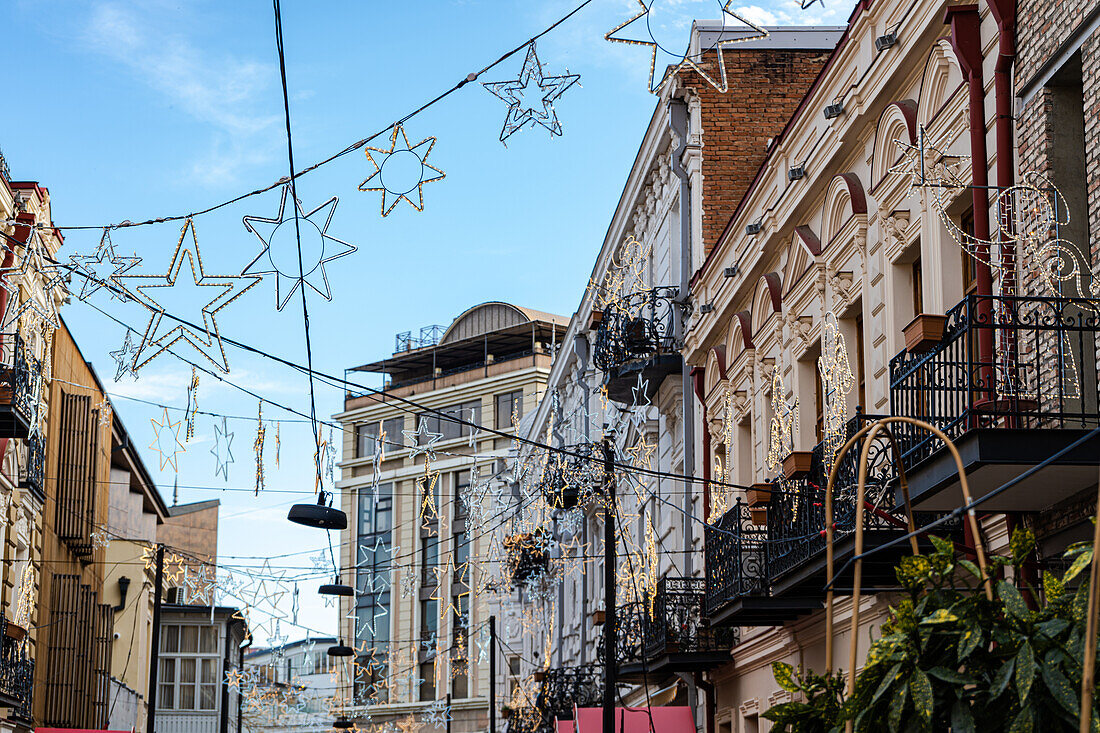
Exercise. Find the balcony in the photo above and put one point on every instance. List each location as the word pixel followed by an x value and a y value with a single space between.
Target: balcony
pixel 637 338
pixel 1012 382
pixel 32 476
pixel 526 557
pixel 19 381
pixel 16 673
pixel 571 477
pixel 565 688
pixel 774 572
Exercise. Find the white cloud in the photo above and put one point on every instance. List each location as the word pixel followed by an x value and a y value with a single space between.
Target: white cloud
pixel 217 89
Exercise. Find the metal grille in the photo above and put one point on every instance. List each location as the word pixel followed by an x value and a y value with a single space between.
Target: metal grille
pixel 735 552
pixel 16 674
pixel 636 326
pixel 79 657
pixel 678 624
pixel 1040 371
pixel 76 472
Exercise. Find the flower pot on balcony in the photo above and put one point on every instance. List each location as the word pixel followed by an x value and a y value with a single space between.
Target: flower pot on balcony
pixel 797 464
pixel 595 318
pixel 14 631
pixel 538 676
pixel 757 497
pixel 598 617
pixel 758 515
pixel 924 332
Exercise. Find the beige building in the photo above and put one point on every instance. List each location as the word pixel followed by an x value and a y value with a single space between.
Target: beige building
pixel 417 488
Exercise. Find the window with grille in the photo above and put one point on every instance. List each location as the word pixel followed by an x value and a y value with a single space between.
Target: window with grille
pixel 78 447
pixel 190 667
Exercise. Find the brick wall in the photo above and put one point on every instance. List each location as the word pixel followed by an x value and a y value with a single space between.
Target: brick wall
pixel 765 88
pixel 1046 25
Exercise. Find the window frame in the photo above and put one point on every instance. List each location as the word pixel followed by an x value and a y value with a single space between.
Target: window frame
pixel 176 659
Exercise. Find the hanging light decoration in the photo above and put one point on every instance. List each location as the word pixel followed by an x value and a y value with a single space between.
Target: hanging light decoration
pixel 321 515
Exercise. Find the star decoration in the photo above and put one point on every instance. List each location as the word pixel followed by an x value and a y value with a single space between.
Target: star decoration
pixel 203 335
pixel 399 160
pixel 100 539
pixel 279 253
pixel 166 441
pixel 124 357
pixel 223 449
pixel 200 584
pixel 643 36
pixel 438 713
pixel 103 269
pixel 532 80
pixel 421 440
pixel 640 401
pixel 409 724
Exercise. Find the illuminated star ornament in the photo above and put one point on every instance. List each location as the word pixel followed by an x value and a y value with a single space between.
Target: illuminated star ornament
pixel 223 449
pixel 654 15
pixel 202 333
pixel 404 170
pixel 166 440
pixel 279 253
pixel 102 269
pixel 124 357
pixel 531 97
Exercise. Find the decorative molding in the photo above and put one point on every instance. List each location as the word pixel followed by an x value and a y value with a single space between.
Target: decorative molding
pixel 801 326
pixel 895 227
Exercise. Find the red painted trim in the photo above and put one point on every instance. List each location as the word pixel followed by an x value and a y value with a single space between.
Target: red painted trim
pixel 744 318
pixel 775 290
pixel 809 240
pixel 1004 13
pixel 720 357
pixel 855 190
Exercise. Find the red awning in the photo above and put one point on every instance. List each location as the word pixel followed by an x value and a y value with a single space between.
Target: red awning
pixel 564 726
pixel 76 730
pixel 669 719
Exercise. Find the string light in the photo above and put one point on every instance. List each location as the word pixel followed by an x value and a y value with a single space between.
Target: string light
pixel 685 59
pixel 279 254
pixel 90 266
pixel 521 113
pixel 226 289
pixel 836 382
pixel 258 447
pixel 192 404
pixel 398 161
pixel 166 441
pixel 124 357
pixel 223 449
pixel 784 420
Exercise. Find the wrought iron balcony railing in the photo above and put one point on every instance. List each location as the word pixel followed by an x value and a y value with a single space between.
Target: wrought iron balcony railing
pixel 564 688
pixel 629 637
pixel 636 326
pixel 16 675
pixel 33 474
pixel 678 624
pixel 735 558
pixel 19 380
pixel 1003 362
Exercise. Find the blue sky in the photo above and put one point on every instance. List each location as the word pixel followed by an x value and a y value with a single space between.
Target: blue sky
pixel 139 110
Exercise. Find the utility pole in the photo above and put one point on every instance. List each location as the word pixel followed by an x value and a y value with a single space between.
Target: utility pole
pixel 610 629
pixel 154 656
pixel 492 674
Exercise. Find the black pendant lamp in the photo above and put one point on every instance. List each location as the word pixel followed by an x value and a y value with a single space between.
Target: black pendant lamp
pixel 336 589
pixel 342 723
pixel 320 515
pixel 340 650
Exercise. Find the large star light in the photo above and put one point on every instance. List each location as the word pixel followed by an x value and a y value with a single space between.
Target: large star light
pixel 657 15
pixel 403 171
pixel 201 333
pixel 223 449
pixel 166 441
pixel 531 97
pixel 278 256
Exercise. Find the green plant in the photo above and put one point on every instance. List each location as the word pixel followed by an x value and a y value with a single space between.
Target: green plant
pixel 950 659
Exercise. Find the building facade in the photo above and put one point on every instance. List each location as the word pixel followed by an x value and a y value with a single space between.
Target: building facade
pixel 418 491
pixel 915 242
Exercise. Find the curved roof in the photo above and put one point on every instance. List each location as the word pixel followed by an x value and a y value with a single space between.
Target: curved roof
pixel 493 316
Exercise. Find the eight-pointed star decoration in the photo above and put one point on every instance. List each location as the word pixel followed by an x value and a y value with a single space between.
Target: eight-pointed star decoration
pixel 223 449
pixel 278 256
pixel 531 97
pixel 102 269
pixel 166 440
pixel 639 31
pixel 202 334
pixel 403 170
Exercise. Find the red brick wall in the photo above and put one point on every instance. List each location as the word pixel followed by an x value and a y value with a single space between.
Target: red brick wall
pixel 765 88
pixel 1044 26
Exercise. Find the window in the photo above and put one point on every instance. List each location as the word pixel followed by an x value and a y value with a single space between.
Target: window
pixel 366 438
pixel 190 667
pixel 427 684
pixel 969 273
pixel 372 619
pixel 819 408
pixel 918 287
pixel 513 676
pixel 508 404
pixel 447 423
pixel 392 428
pixel 861 370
